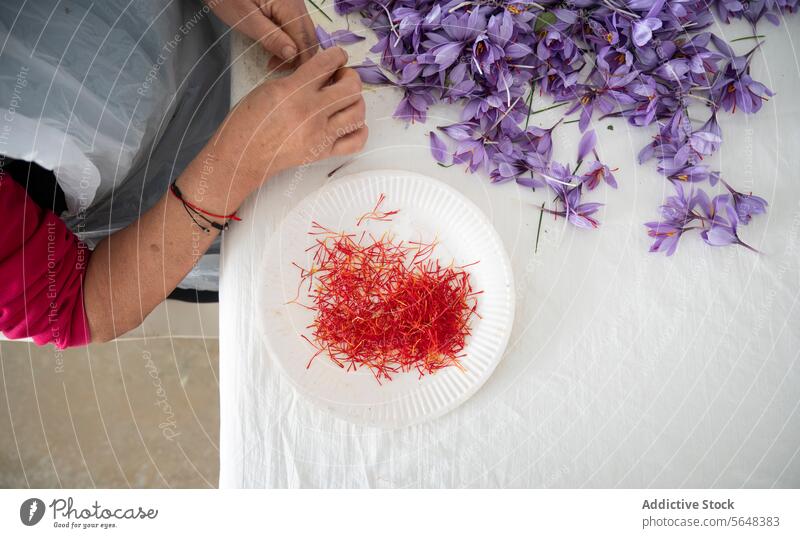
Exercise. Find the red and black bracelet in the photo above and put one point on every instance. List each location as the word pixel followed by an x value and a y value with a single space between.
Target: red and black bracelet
pixel 192 210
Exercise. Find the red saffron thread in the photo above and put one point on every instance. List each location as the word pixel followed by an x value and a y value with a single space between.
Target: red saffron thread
pixel 377 215
pixel 385 305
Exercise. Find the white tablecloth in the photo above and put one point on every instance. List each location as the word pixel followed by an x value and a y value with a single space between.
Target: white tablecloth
pixel 624 368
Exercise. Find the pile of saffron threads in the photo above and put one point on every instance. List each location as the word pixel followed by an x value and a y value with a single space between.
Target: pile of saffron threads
pixel 383 304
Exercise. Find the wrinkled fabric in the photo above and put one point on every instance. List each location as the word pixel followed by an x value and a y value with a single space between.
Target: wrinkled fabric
pixel 624 368
pixel 115 98
pixel 42 265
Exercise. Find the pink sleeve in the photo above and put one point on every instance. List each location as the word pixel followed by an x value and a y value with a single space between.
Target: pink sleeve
pixel 42 265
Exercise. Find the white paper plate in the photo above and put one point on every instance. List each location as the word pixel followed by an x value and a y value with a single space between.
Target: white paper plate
pixel 428 209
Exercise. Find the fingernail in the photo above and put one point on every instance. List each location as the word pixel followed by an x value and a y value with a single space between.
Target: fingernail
pixel 288 52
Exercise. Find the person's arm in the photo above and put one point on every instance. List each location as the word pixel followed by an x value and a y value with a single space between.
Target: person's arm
pixel 133 270
pixel 316 112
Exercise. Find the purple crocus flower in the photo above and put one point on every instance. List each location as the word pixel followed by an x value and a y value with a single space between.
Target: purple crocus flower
pixel 459 29
pixel 678 214
pixel 560 179
pixel 743 92
pixel 508 169
pixel 471 152
pixel 538 141
pixel 746 205
pixel 691 174
pixel 645 60
pixel 700 144
pixel 606 91
pixel 414 106
pixel 679 208
pixel 576 212
pixel 707 139
pixel 597 173
pixel 723 231
pixel 666 236
pixel 579 215
pixel 645 91
pixel 736 88
pixel 712 210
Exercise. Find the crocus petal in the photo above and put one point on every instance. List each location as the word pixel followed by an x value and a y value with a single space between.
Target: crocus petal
pixel 719 236
pixel 530 182
pixel 643 31
pixel 446 55
pixel 438 148
pixel 371 73
pixel 346 37
pixel 324 38
pixel 586 145
pixel 773 18
pixel 586 117
pixel 582 221
pixel 722 46
pixel 566 15
pixel 517 50
pixel 704 142
pixel 458 131
pixel 641 34
pixel 410 72
pixel 612 181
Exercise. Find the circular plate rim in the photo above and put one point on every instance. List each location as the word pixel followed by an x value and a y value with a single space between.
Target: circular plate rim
pixel 503 262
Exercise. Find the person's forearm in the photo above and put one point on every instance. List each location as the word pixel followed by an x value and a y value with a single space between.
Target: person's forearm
pixel 314 113
pixel 133 270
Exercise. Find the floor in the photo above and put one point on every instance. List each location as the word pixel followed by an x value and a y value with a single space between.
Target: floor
pixel 140 412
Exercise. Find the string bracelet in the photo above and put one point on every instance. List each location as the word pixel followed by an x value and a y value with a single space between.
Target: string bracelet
pixel 195 212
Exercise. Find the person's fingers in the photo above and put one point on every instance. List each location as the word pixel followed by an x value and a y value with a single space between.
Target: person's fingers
pixel 345 89
pixel 269 35
pixel 296 22
pixel 321 66
pixel 312 42
pixel 351 143
pixel 348 120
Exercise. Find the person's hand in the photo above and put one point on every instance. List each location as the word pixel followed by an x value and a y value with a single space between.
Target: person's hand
pixel 314 113
pixel 283 27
